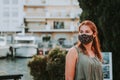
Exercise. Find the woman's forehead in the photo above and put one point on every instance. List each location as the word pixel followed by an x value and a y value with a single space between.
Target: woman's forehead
pixel 84 27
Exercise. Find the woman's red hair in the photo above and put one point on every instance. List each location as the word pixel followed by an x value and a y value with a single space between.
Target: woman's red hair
pixel 95 44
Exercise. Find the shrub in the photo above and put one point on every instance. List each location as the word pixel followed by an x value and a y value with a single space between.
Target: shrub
pixel 38 67
pixel 56 64
pixel 50 67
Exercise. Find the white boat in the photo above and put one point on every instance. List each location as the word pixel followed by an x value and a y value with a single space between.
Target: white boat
pixel 24 46
pixel 4 48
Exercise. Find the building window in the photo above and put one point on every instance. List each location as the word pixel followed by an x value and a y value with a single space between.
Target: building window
pixel 46 38
pixel 6 14
pixel 14 1
pixel 58 25
pixel 6 21
pixel 14 14
pixel 6 1
pixel 14 22
pixel 61 41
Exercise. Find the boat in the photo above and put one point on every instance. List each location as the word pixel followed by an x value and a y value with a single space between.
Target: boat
pixel 4 48
pixel 24 46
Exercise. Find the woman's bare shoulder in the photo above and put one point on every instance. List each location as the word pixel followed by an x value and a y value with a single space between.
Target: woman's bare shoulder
pixel 72 51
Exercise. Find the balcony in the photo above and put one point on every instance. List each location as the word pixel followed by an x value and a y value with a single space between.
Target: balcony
pixel 36 28
pixel 50 3
pixel 35 17
pixel 49 29
pixel 54 15
pixel 35 3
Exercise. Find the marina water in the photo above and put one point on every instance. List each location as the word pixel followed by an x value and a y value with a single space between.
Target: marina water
pixel 16 66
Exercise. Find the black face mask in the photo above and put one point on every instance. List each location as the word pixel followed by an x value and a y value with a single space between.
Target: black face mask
pixel 85 39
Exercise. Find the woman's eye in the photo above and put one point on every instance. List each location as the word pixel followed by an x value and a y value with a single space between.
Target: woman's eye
pixel 87 31
pixel 81 31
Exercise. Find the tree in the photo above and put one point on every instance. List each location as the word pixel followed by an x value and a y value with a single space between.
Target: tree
pixel 106 15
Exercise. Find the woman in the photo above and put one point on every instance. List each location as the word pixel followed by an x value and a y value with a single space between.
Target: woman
pixel 84 61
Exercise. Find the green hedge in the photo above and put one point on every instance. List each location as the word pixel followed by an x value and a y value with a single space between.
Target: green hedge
pixel 50 67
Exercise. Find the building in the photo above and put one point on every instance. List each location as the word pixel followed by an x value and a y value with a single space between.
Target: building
pixel 11 17
pixel 54 22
